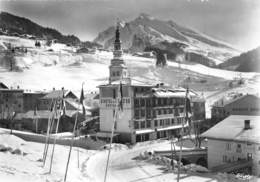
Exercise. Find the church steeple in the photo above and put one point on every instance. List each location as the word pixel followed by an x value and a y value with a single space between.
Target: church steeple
pixel 117 68
pixel 117 44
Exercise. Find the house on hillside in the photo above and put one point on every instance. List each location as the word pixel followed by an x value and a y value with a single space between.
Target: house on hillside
pixel 11 102
pixel 37 120
pixel 233 142
pixel 237 104
pixel 92 100
pixel 57 95
pixel 31 100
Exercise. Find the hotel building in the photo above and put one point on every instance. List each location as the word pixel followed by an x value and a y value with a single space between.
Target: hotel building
pixel 149 111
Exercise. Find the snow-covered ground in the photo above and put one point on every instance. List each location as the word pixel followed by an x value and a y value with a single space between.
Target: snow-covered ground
pixel 124 165
pixel 27 167
pixel 43 70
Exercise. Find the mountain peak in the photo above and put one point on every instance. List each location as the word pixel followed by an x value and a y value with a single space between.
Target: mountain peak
pixel 145 16
pixel 145 32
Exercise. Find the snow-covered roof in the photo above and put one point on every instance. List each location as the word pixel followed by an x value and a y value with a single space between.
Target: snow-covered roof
pixel 11 90
pixel 228 100
pixel 232 128
pixel 77 105
pixel 164 92
pixel 58 94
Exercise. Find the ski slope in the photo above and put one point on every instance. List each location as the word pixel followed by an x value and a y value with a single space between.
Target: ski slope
pixel 62 67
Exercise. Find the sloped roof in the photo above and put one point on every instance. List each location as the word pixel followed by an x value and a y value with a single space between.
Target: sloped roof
pixel 77 105
pixel 239 98
pixel 92 96
pixel 3 86
pixel 163 92
pixel 232 128
pixel 225 101
pixel 55 94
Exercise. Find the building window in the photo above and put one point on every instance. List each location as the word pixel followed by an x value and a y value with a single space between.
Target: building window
pixel 159 101
pixel 228 146
pixel 136 102
pixel 149 113
pixel 136 124
pixel 164 102
pixel 161 122
pixel 148 124
pixel 239 148
pixel 167 121
pixel 142 113
pixel 142 103
pixel 154 113
pixel 172 121
pixel 224 158
pixel 142 124
pixel 136 113
pixel 155 123
pixel 176 113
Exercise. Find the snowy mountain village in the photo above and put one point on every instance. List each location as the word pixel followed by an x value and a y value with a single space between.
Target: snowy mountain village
pixel 127 128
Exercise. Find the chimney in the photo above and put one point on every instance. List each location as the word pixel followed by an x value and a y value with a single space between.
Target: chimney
pixel 247 124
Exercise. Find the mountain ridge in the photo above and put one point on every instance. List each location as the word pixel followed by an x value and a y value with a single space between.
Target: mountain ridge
pixel 246 62
pixel 13 24
pixel 150 31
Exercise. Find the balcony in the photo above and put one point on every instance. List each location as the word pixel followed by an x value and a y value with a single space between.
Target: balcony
pixel 165 116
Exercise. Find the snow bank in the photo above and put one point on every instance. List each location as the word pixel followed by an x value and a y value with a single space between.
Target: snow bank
pixel 114 146
pixel 11 140
pixel 165 161
pixel 12 144
pixel 156 159
pixel 195 168
pixel 235 177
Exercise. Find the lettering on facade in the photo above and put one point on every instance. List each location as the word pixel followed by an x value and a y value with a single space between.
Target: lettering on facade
pixel 111 103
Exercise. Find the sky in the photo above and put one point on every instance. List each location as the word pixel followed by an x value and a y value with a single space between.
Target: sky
pixel 233 21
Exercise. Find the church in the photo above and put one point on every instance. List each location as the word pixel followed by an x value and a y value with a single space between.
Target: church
pixel 146 112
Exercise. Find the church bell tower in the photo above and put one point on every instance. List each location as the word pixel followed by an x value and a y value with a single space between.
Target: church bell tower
pixel 117 68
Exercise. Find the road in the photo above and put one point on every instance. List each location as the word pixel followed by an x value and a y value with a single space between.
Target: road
pixel 123 167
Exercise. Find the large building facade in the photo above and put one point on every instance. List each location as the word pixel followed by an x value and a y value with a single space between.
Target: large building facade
pixel 148 111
